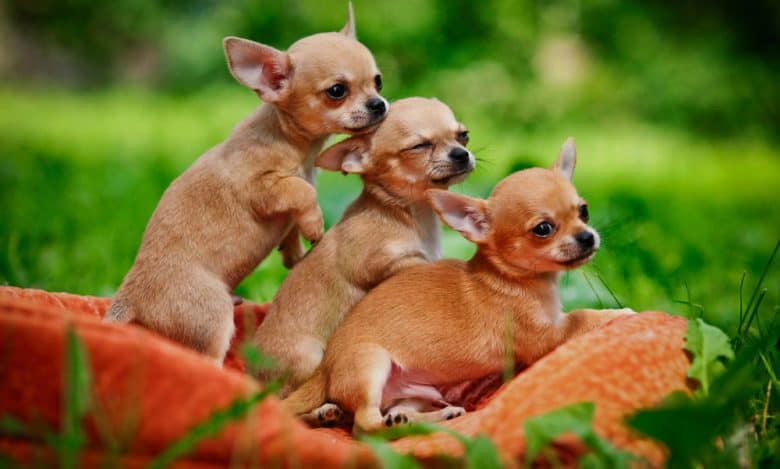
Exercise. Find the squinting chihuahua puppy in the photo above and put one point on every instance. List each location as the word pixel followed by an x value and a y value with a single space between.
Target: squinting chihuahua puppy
pixel 449 321
pixel 391 226
pixel 251 193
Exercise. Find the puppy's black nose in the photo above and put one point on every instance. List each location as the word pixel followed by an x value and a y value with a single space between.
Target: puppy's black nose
pixel 459 155
pixel 585 239
pixel 376 106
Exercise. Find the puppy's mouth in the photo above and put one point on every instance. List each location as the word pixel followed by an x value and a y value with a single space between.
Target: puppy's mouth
pixel 370 127
pixel 579 260
pixel 452 178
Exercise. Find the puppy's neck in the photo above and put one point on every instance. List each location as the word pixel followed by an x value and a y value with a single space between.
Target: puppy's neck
pixel 512 282
pixel 386 197
pixel 270 121
pixel 417 215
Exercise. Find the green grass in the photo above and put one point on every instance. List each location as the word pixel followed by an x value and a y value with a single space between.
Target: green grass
pixel 80 175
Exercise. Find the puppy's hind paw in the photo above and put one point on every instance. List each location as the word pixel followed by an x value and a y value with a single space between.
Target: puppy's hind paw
pixel 329 415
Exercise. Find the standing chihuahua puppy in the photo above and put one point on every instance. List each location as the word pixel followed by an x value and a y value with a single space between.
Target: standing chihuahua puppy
pixel 251 193
pixel 453 321
pixel 390 227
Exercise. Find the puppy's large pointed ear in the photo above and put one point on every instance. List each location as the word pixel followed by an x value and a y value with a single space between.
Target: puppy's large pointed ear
pixel 347 156
pixel 259 67
pixel 567 159
pixel 466 215
pixel 349 28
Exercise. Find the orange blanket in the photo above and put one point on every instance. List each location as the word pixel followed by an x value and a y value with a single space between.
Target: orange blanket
pixel 149 391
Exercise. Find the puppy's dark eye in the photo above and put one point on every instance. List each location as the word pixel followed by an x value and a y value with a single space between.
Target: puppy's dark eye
pixel 422 146
pixel 378 82
pixel 337 91
pixel 463 137
pixel 584 215
pixel 543 229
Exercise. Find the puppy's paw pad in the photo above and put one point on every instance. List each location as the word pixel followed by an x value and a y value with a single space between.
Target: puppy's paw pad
pixel 454 412
pixel 329 414
pixel 392 419
pixel 333 414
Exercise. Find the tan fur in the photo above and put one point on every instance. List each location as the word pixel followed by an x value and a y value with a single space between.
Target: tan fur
pixel 451 321
pixel 390 227
pixel 249 194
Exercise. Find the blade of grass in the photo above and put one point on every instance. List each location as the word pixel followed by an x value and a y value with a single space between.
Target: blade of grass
pixel 690 301
pixel 388 457
pixel 212 425
pixel 77 400
pixel 691 306
pixel 766 408
pixel 754 311
pixel 769 369
pixel 478 452
pixel 741 310
pixel 601 303
pixel 13 427
pixel 612 293
pixel 763 275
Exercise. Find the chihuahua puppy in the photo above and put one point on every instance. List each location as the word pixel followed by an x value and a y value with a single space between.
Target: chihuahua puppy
pixel 453 321
pixel 251 193
pixel 390 227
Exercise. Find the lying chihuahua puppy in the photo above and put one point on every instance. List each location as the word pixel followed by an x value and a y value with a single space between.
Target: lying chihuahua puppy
pixel 450 321
pixel 391 226
pixel 251 193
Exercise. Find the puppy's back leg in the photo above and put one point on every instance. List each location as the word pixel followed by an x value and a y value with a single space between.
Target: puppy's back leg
pixel 198 314
pixel 119 312
pixel 297 356
pixel 418 411
pixel 220 336
pixel 366 372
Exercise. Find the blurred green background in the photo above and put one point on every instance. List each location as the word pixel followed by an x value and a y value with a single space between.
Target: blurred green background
pixel 675 107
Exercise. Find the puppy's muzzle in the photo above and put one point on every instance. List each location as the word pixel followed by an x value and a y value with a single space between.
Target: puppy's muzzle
pixel 375 112
pixel 377 107
pixel 460 158
pixel 586 240
pixel 460 165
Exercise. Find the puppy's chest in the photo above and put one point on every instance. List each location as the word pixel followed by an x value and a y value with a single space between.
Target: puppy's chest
pixel 428 232
pixel 307 170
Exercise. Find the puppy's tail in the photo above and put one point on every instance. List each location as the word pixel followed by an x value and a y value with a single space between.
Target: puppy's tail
pixel 118 312
pixel 309 395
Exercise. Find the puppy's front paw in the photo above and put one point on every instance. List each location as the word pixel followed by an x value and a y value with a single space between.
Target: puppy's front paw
pixel 312 225
pixel 452 412
pixel 395 417
pixel 292 253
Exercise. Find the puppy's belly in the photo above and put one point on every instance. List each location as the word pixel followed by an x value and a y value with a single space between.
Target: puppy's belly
pixel 408 384
pixel 235 252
